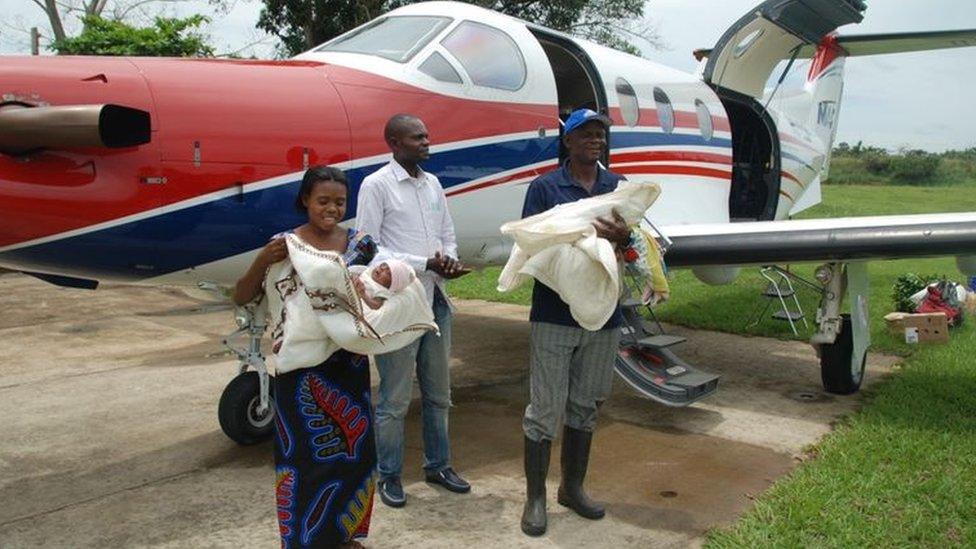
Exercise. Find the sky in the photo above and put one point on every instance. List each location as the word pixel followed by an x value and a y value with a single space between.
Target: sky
pixel 917 100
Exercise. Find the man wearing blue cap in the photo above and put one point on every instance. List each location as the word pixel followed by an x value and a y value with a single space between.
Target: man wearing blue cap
pixel 571 369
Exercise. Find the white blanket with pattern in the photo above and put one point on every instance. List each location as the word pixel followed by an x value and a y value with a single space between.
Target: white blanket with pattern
pixel 315 310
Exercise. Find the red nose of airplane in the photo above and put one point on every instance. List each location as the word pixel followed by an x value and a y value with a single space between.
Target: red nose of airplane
pixel 99 154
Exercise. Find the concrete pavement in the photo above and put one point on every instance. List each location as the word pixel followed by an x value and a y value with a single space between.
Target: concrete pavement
pixel 111 436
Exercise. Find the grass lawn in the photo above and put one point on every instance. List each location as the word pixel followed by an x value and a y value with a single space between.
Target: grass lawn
pixel 902 471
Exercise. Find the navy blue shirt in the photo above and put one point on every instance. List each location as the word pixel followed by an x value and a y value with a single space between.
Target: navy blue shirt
pixel 546 191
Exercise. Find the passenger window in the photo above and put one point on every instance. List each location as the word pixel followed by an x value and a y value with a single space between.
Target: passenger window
pixel 438 67
pixel 629 109
pixel 395 38
pixel 704 119
pixel 488 55
pixel 665 112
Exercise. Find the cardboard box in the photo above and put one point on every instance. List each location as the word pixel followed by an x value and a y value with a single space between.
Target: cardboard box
pixel 919 328
pixel 970 303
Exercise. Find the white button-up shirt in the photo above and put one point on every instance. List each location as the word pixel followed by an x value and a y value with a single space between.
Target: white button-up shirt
pixel 408 218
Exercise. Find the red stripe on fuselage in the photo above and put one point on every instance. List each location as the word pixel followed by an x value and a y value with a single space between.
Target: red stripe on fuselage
pixel 682 119
pixel 615 159
pixel 658 156
pixel 673 169
pixel 795 141
pixel 534 172
pixel 792 177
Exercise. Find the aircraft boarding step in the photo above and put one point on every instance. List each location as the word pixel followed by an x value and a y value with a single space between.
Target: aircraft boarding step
pixel 772 291
pixel 646 364
pixel 661 341
pixel 660 375
pixel 778 289
pixel 791 316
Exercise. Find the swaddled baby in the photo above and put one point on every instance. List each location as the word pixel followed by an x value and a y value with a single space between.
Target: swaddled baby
pixel 377 285
pixel 323 308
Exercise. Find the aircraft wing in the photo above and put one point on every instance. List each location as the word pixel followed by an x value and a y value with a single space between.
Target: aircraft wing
pixel 879 44
pixel 813 240
pixel 876 44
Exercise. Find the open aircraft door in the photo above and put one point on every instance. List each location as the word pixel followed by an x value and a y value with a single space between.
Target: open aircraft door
pixel 746 54
pixel 738 69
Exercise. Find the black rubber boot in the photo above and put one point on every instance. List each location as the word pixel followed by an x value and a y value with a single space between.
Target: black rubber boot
pixel 575 459
pixel 536 469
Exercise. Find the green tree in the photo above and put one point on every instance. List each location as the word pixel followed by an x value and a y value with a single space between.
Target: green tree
pixel 169 37
pixel 613 23
pixel 304 24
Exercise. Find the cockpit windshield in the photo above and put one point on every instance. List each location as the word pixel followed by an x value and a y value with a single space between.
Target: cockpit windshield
pixel 394 38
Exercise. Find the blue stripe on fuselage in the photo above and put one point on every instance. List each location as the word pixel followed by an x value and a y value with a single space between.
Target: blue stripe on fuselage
pixel 177 240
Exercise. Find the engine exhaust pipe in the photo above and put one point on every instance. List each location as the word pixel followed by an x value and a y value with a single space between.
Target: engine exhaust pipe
pixel 26 129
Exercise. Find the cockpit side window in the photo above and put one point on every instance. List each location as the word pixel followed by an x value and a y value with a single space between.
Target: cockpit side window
pixel 489 56
pixel 439 68
pixel 395 38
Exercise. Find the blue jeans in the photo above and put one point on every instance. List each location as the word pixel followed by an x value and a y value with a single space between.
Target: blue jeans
pixel 429 355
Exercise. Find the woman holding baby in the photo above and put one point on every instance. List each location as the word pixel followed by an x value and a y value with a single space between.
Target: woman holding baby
pixel 325 450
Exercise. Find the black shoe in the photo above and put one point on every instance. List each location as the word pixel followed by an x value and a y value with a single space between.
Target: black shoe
pixel 391 492
pixel 575 459
pixel 536 468
pixel 448 479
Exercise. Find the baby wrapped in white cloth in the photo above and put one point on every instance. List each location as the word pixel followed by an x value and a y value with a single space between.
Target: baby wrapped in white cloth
pixel 380 282
pixel 560 248
pixel 321 309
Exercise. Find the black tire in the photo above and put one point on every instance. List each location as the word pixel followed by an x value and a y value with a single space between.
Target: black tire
pixel 835 362
pixel 237 411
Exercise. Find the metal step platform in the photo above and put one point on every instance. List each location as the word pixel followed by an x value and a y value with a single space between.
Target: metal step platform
pixel 661 341
pixel 771 291
pixel 787 316
pixel 645 362
pixel 779 288
pixel 660 375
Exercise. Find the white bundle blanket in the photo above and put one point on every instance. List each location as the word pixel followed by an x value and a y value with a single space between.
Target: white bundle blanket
pixel 559 247
pixel 321 311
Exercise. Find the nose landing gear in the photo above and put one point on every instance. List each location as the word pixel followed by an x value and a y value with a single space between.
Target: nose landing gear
pixel 246 409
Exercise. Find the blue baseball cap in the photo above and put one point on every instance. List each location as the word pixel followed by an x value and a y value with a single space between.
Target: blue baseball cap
pixel 582 116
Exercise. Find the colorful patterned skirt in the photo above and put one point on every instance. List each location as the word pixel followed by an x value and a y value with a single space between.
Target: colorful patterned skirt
pixel 325 453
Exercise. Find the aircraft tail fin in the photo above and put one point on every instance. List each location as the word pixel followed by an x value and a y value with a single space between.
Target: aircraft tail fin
pixel 825 86
pixel 825 79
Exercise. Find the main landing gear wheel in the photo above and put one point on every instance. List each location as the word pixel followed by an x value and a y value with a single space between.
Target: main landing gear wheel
pixel 238 410
pixel 837 370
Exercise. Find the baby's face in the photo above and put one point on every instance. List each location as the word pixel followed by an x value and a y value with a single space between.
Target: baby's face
pixel 382 276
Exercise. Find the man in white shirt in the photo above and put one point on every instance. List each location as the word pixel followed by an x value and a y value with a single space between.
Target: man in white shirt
pixel 405 210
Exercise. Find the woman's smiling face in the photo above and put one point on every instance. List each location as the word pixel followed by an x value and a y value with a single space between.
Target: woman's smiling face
pixel 326 204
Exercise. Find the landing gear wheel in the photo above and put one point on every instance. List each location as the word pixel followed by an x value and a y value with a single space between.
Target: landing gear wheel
pixel 838 374
pixel 238 410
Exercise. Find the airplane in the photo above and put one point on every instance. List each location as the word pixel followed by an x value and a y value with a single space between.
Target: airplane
pixel 175 171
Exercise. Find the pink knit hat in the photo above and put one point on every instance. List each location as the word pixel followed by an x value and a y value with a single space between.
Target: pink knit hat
pixel 401 274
